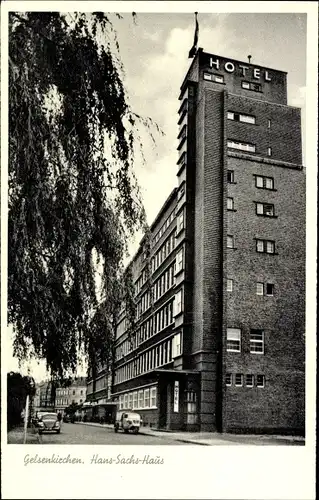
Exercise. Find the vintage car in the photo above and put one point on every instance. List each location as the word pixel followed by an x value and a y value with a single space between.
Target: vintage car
pixel 48 422
pixel 127 421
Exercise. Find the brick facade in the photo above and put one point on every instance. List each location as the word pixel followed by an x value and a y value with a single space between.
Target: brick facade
pixel 236 133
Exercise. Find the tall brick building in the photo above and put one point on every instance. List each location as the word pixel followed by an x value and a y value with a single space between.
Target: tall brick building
pixel 219 339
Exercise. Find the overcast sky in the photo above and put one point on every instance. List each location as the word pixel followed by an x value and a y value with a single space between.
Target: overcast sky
pixel 154 51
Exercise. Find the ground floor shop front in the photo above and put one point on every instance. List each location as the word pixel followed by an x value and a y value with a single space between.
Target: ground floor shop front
pixel 167 399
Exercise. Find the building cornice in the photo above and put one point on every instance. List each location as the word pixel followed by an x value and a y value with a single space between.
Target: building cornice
pixel 268 161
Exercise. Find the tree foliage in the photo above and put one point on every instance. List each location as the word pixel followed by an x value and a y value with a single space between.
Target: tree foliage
pixel 18 387
pixel 73 196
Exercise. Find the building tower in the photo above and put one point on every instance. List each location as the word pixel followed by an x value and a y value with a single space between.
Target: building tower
pixel 240 168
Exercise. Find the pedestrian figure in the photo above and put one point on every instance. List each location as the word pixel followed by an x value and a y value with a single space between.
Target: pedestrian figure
pixel 59 416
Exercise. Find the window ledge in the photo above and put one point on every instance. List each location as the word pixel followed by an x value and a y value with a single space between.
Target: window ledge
pixel 268 216
pixel 266 189
pixel 177 234
pixel 231 210
pixel 179 272
pixel 178 314
pixel 267 253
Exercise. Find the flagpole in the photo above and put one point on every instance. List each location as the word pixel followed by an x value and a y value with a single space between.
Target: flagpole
pixel 193 50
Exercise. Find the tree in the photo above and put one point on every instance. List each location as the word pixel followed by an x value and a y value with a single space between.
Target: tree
pixel 73 196
pixel 18 387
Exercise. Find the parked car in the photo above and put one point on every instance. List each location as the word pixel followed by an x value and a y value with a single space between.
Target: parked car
pixel 48 422
pixel 127 421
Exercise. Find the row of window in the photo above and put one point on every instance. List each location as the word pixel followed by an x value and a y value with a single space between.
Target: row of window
pixel 143 304
pixel 262 246
pixel 160 320
pixel 261 181
pixel 61 401
pixel 261 288
pixel 163 252
pixel 149 360
pixel 139 400
pixel 66 392
pixel 266 209
pixel 164 283
pixel 237 379
pixel 240 117
pixel 245 146
pixel 213 77
pixel 256 340
pixel 140 281
pixel 163 228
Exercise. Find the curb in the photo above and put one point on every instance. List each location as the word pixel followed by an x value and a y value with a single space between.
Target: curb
pixel 191 442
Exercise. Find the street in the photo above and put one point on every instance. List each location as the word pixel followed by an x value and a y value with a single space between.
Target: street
pixel 86 434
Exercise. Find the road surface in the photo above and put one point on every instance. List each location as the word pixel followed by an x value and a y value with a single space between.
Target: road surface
pixel 87 434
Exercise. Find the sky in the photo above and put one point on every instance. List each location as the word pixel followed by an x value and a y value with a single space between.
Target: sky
pixel 154 51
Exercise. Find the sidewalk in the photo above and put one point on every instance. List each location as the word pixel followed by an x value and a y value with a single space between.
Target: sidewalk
pixel 16 436
pixel 214 438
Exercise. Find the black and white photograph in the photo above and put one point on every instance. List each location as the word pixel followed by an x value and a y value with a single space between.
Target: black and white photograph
pixel 158 248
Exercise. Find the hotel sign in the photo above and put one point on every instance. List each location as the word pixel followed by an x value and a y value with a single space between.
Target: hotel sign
pixel 245 71
pixel 176 396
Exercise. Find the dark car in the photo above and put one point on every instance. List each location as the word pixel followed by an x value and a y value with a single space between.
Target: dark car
pixel 49 422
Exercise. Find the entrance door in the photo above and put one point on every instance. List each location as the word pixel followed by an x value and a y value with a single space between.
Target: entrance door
pixel 162 406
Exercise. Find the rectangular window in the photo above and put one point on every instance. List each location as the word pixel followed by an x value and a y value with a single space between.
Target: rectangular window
pixel 218 79
pixel 179 261
pixel 260 382
pixel 177 346
pixel 264 182
pixel 269 123
pixel 230 176
pixel 257 341
pixel 178 303
pixel 249 380
pixel 228 379
pixel 213 78
pixel 153 397
pixel 269 151
pixel 146 398
pixel 238 380
pixel 233 339
pixel 229 285
pixel 256 87
pixel 238 117
pixel 243 146
pixel 230 241
pixel 265 289
pixel 266 209
pixel 125 401
pixel 180 222
pixel 247 119
pixel 265 246
pixel 130 401
pixel 230 203
pixel 140 399
pixel 135 400
pixel 269 289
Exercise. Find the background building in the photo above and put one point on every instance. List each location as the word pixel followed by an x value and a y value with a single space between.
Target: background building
pixel 75 393
pixel 220 312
